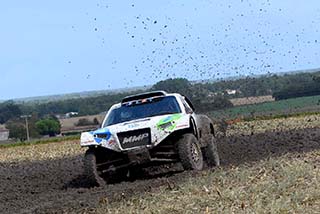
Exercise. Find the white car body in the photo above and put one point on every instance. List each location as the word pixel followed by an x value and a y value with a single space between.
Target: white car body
pixel 161 127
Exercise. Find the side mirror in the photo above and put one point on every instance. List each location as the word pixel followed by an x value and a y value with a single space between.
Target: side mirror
pixel 189 103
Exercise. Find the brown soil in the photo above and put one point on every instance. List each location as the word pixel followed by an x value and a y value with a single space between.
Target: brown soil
pixel 56 186
pixel 251 100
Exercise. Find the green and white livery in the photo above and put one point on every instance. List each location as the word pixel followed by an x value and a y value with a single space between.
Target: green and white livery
pixel 148 128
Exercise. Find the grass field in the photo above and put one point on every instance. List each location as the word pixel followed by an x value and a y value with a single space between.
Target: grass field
pixel 282 107
pixel 289 184
pixel 39 141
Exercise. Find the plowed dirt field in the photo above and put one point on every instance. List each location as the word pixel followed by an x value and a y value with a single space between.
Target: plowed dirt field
pixel 48 178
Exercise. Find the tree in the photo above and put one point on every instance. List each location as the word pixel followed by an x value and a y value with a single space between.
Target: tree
pixel 197 93
pixel 48 126
pixel 9 110
pixel 316 78
pixel 214 103
pixel 17 130
pixel 178 85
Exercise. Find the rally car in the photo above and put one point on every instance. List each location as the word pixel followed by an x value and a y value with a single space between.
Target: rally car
pixel 148 129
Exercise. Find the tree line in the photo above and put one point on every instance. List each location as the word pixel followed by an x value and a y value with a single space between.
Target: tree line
pixel 269 85
pixel 205 97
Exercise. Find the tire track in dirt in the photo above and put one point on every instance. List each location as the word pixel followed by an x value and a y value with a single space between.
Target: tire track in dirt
pixel 54 186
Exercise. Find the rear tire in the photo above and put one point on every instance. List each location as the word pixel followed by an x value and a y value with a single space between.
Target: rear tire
pixel 189 152
pixel 91 173
pixel 211 154
pixel 135 173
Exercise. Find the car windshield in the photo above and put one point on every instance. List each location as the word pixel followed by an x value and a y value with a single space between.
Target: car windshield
pixel 155 107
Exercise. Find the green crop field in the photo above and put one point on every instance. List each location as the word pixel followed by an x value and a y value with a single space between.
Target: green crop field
pixel 283 107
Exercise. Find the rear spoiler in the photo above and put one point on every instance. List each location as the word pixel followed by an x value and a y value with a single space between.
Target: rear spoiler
pixel 143 96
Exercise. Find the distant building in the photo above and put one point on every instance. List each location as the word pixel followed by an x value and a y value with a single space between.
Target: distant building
pixel 71 114
pixel 4 133
pixel 231 92
pixel 213 94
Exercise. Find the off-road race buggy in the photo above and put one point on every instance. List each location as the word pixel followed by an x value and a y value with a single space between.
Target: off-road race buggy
pixel 148 129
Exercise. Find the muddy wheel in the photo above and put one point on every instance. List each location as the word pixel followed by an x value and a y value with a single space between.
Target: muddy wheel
pixel 211 154
pixel 90 169
pixel 118 176
pixel 190 152
pixel 135 173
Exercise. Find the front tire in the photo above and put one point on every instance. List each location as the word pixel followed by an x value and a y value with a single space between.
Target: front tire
pixel 189 152
pixel 90 169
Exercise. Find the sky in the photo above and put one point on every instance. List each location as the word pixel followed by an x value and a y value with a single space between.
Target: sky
pixel 56 47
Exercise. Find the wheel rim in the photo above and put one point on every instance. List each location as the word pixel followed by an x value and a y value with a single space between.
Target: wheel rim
pixel 195 153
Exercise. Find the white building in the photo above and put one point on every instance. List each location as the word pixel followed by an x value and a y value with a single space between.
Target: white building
pixel 4 133
pixel 71 114
pixel 231 92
